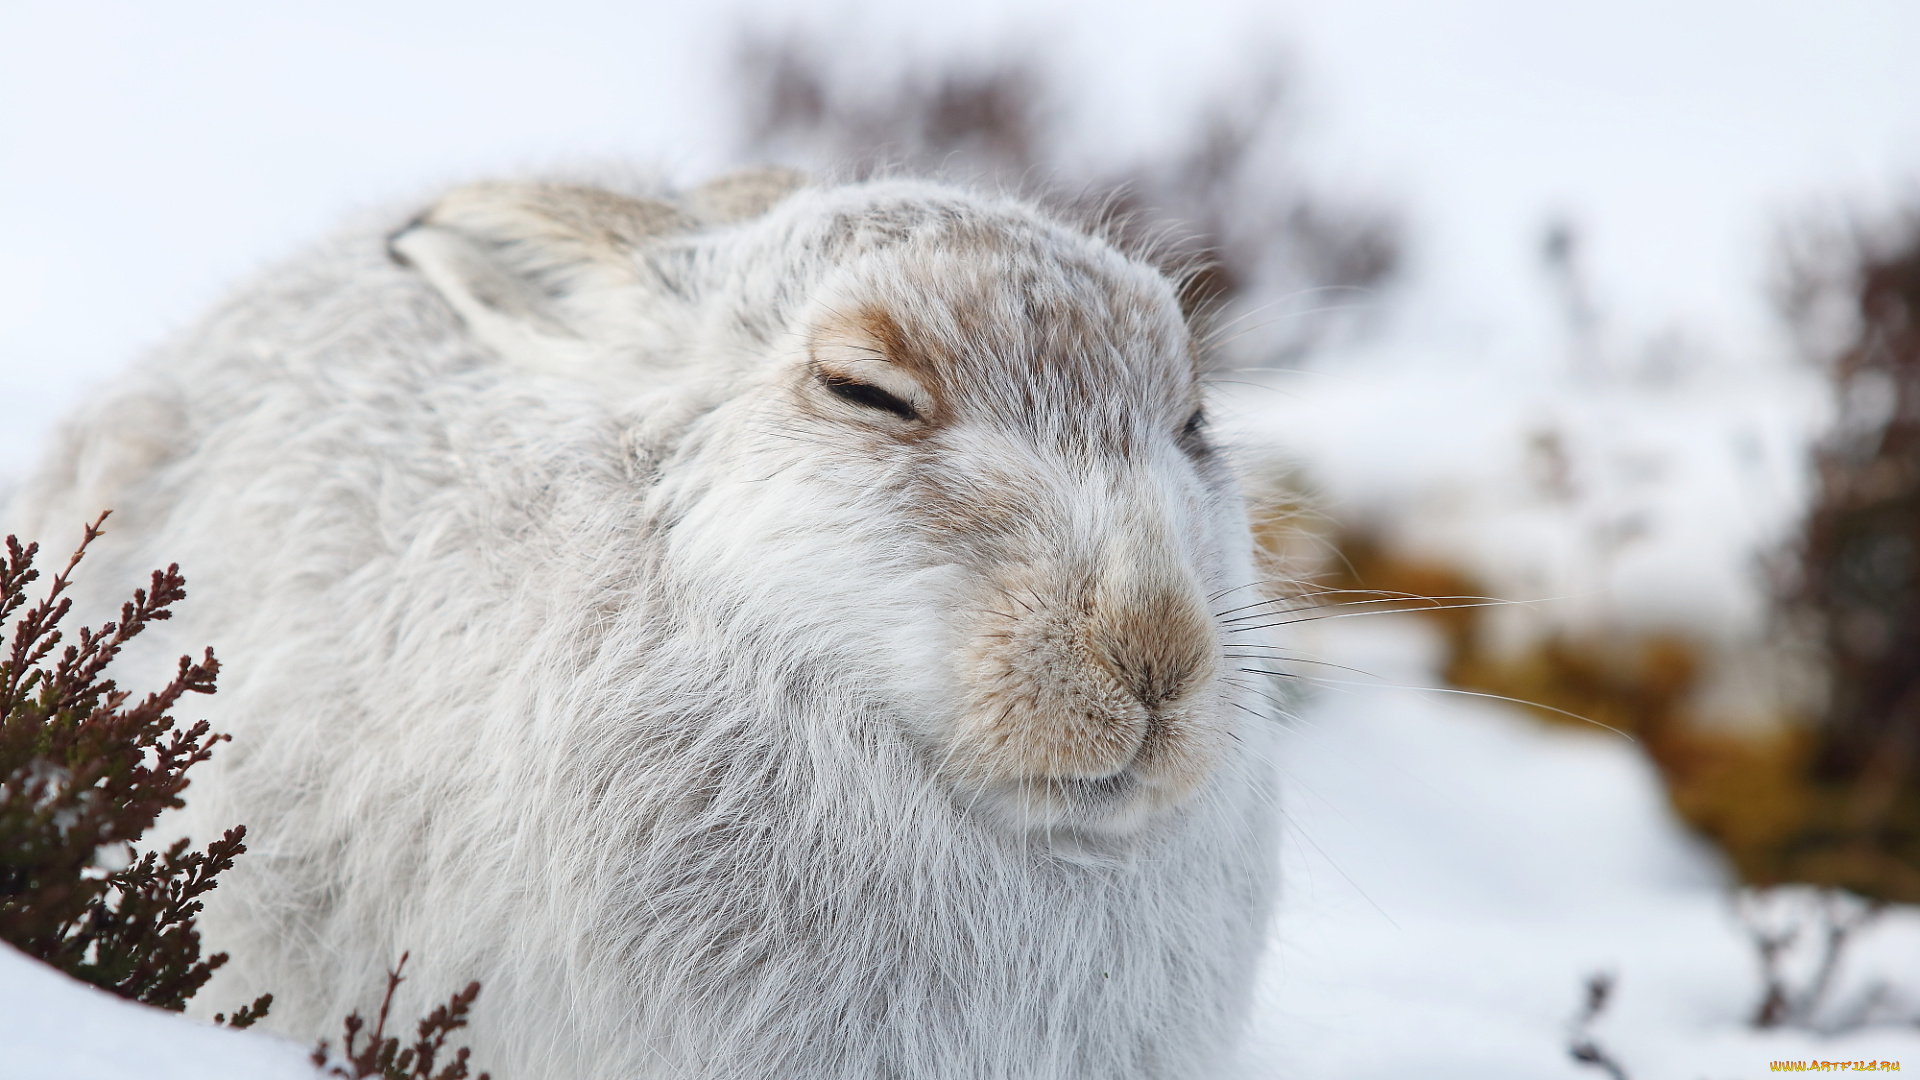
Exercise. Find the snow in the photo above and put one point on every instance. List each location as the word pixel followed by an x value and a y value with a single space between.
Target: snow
pixel 1454 871
pixel 56 1028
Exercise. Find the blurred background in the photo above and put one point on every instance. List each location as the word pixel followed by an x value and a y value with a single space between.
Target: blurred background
pixel 1597 323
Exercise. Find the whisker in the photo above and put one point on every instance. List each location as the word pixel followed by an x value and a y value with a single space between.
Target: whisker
pixel 1416 602
pixel 1249 710
pixel 1281 657
pixel 1482 694
pixel 1331 861
pixel 1308 590
pixel 1320 615
pixel 1235 589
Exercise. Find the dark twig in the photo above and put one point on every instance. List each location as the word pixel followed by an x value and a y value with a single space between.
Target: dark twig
pixel 385 1059
pixel 1583 1047
pixel 1839 919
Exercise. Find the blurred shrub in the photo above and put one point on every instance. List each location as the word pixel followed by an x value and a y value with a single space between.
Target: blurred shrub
pixel 1226 210
pixel 1854 584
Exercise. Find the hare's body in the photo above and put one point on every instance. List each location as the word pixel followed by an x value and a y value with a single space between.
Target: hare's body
pixel 753 644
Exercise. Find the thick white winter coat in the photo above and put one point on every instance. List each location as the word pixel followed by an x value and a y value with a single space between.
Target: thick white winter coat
pixel 775 631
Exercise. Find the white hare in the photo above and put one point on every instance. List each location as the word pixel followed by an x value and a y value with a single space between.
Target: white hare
pixel 771 631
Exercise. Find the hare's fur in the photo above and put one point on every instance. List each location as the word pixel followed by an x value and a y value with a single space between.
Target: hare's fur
pixel 585 634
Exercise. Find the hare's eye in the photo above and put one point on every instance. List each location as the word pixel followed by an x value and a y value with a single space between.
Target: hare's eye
pixel 1193 436
pixel 1195 424
pixel 869 395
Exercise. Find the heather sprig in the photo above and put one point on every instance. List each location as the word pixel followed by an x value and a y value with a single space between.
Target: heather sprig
pixel 85 769
pixel 383 1058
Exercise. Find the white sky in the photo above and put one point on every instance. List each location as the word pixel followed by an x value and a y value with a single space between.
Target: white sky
pixel 151 154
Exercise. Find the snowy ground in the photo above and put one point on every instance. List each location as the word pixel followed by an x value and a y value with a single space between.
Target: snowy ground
pixel 54 1028
pixel 1454 873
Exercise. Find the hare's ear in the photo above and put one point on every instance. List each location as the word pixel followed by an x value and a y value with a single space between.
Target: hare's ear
pixel 534 269
pixel 748 193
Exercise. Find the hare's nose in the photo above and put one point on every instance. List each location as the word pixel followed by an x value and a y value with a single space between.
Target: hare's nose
pixel 1159 647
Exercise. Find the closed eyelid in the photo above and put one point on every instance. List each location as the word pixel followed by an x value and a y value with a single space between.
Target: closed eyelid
pixel 839 367
pixel 852 390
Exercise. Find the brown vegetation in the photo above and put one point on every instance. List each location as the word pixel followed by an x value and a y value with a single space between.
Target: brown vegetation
pixel 1758 795
pixel 383 1058
pixel 85 768
pixel 1855 583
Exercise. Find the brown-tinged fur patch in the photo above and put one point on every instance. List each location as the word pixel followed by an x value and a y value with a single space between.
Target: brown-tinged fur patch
pixel 603 224
pixel 1080 679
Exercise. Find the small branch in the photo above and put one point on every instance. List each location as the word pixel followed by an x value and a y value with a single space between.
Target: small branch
pixel 1582 1046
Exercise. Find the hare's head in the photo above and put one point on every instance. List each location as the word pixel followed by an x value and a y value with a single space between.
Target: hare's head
pixel 950 448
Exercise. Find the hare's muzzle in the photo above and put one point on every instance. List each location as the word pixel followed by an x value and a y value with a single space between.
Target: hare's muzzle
pixel 1092 698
